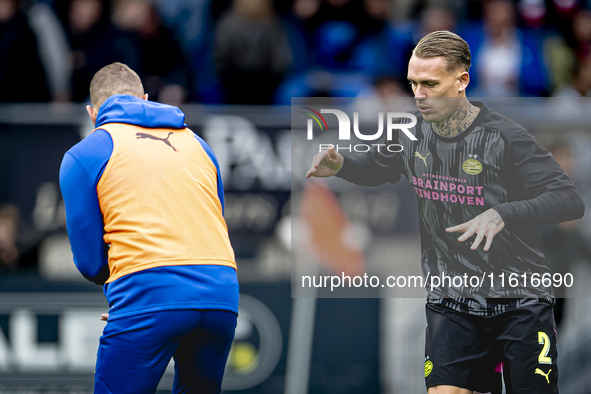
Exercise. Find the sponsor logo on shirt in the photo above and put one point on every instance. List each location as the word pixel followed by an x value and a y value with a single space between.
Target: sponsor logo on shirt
pixel 456 190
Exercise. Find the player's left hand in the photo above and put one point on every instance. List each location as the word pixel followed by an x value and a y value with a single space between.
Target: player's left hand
pixel 104 317
pixel 487 224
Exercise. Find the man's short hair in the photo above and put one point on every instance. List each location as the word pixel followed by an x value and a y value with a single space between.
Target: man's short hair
pixel 447 45
pixel 116 78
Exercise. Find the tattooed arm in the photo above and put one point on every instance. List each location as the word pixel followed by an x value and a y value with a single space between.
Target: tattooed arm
pixel 458 121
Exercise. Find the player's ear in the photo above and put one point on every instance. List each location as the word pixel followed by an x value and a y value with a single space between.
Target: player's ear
pixel 464 80
pixel 92 113
pixel 145 97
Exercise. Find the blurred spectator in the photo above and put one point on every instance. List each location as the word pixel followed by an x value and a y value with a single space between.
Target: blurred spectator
pixel 22 78
pixel 379 10
pixel 19 243
pixel 206 86
pixel 305 16
pixel 580 83
pixel 394 44
pixel 94 41
pixel 252 52
pixel 348 43
pixel 533 12
pixel 581 33
pixel 334 29
pixel 188 18
pixel 338 29
pixel 54 50
pixel 305 9
pixel 336 42
pixel 241 50
pixel 354 12
pixel 166 73
pixel 565 52
pixel 507 61
pixel 314 13
pixel 434 19
pixel 9 254
pixel 499 59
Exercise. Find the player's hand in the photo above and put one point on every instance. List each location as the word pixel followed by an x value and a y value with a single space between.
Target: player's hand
pixel 105 317
pixel 487 224
pixel 326 163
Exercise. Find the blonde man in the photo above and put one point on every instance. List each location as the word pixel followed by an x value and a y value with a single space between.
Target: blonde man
pixel 480 174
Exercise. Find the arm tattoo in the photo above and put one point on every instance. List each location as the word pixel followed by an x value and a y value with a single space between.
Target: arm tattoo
pixel 493 217
pixel 458 121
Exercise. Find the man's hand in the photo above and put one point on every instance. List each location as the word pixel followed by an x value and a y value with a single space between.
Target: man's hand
pixel 326 163
pixel 104 317
pixel 487 224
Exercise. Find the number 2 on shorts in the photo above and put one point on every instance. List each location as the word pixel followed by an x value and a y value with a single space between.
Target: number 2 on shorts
pixel 545 340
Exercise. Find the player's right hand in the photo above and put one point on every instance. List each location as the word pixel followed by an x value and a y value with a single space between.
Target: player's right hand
pixel 326 163
pixel 104 316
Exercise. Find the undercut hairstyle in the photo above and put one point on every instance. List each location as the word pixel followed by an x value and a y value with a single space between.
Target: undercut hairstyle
pixel 116 78
pixel 447 45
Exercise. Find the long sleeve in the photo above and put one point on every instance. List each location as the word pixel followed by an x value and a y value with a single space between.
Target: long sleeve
pixel 554 198
pixel 374 168
pixel 214 159
pixel 80 172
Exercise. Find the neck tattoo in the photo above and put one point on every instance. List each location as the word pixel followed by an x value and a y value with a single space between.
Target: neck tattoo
pixel 459 120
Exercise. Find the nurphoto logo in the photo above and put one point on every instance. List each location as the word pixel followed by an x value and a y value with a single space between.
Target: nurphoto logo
pixel 345 129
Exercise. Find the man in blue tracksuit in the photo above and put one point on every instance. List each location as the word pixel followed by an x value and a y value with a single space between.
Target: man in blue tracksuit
pixel 149 188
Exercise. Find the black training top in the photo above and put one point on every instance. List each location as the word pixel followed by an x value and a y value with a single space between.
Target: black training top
pixel 495 163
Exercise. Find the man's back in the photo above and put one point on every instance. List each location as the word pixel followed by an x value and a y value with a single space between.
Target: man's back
pixel 148 187
pixel 160 205
pixel 153 188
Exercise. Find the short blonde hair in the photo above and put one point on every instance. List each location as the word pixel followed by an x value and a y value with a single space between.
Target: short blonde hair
pixel 447 45
pixel 116 78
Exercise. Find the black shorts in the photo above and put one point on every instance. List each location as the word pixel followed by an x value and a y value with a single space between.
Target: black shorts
pixel 464 350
